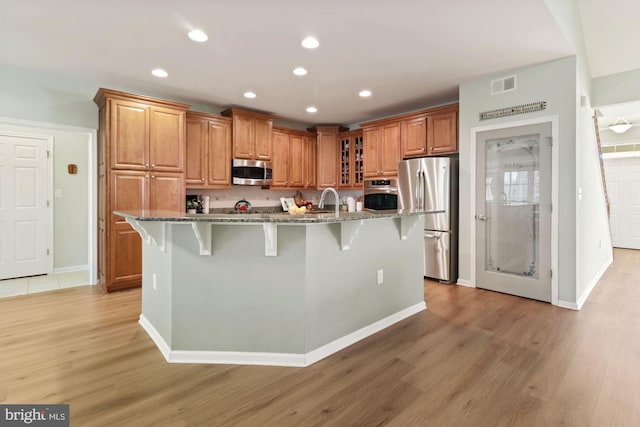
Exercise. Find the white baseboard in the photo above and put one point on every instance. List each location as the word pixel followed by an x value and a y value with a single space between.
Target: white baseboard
pixel 583 298
pixel 71 269
pixel 275 359
pixel 464 282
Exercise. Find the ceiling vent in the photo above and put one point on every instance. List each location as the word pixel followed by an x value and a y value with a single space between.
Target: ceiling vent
pixel 502 85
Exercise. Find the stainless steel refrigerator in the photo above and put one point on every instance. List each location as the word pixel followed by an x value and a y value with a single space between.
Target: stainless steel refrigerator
pixel 430 185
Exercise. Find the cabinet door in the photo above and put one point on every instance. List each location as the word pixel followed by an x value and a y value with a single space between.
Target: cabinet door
pixel 296 161
pixel 310 161
pixel 166 192
pixel 195 172
pixel 128 193
pixel 280 159
pixel 219 154
pixel 166 139
pixel 243 137
pixel 327 172
pixel 129 135
pixel 262 139
pixel 372 146
pixel 443 133
pixel 390 155
pixel 414 137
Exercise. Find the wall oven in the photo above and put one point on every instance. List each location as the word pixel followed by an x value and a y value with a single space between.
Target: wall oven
pixel 381 193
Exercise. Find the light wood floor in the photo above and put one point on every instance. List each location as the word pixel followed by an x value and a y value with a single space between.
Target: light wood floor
pixel 475 358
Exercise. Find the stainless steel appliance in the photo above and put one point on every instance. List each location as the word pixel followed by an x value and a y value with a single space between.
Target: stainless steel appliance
pixel 381 194
pixel 251 172
pixel 430 185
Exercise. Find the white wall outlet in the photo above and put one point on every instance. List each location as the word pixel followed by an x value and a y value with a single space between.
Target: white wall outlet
pixel 155 283
pixel 380 277
pixel 58 193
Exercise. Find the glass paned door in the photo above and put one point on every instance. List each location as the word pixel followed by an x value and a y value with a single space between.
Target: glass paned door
pixel 513 208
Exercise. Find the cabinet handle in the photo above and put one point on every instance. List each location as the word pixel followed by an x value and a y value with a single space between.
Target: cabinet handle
pixel 153 166
pixel 153 177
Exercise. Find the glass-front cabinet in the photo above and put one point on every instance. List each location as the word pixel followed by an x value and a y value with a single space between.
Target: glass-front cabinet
pixel 351 159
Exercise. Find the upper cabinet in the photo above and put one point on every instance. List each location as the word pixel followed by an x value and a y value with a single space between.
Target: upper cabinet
pixel 381 149
pixel 146 136
pixel 328 152
pixel 251 134
pixel 208 160
pixel 351 159
pixel 293 159
pixel 442 135
pixel 424 133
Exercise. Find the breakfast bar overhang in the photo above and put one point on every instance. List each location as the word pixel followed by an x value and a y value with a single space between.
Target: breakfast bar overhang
pixel 275 289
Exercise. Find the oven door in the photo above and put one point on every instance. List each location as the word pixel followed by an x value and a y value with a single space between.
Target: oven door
pixel 381 201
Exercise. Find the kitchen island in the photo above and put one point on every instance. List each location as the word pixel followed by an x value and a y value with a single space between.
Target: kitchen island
pixel 275 289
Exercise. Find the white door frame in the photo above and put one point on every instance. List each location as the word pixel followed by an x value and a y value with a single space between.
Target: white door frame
pixel 92 208
pixel 50 225
pixel 555 169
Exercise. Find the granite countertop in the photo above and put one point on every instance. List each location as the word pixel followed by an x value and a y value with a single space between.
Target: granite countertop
pixel 260 215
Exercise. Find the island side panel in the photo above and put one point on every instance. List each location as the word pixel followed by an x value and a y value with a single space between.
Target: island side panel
pixel 238 299
pixel 156 301
pixel 342 293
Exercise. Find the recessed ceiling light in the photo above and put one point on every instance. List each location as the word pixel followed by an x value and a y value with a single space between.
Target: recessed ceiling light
pixel 300 71
pixel 310 43
pixel 249 94
pixel 159 72
pixel 198 36
pixel 312 109
pixel 365 93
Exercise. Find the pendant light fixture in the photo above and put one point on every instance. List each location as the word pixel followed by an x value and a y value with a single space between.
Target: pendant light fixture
pixel 620 125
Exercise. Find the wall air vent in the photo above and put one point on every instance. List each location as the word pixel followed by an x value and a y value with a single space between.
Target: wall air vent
pixel 502 85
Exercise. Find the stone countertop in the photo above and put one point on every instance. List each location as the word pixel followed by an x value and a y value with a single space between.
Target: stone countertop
pixel 261 217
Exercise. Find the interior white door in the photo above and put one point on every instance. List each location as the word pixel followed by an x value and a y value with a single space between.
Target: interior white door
pixel 24 216
pixel 623 186
pixel 513 211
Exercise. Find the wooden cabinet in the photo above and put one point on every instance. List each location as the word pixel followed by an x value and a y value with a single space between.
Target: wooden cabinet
pixel 351 159
pixel 381 149
pixel 146 137
pixel 310 161
pixel 291 159
pixel 141 151
pixel 251 134
pixel 442 136
pixel 424 133
pixel 327 156
pixel 413 133
pixel 208 159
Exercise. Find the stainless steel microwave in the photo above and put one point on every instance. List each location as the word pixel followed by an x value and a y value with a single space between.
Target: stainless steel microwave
pixel 251 172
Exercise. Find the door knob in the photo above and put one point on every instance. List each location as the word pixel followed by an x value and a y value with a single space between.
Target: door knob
pixel 481 217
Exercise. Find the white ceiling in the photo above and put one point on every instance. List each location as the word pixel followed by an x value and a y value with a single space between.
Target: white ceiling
pixel 410 53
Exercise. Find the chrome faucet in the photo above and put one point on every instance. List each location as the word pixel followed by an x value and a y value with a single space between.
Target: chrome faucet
pixel 335 193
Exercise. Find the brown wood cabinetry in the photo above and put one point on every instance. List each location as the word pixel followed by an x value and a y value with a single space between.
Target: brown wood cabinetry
pixel 310 154
pixel 381 149
pixel 351 159
pixel 424 133
pixel 442 136
pixel 251 134
pixel 208 159
pixel 414 136
pixel 327 155
pixel 292 156
pixel 141 151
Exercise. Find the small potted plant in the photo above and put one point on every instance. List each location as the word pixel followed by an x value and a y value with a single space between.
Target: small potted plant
pixel 192 206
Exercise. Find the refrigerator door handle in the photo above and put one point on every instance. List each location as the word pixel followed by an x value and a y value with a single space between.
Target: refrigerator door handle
pixel 431 235
pixel 418 193
pixel 422 191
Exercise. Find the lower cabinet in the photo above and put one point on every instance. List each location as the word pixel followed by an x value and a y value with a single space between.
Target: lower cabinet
pixel 134 191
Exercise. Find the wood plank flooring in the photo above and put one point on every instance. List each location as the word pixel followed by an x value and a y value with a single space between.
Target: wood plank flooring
pixel 474 358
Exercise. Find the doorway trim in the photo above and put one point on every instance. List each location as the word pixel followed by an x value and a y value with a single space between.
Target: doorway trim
pixel 50 176
pixel 92 208
pixel 555 169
